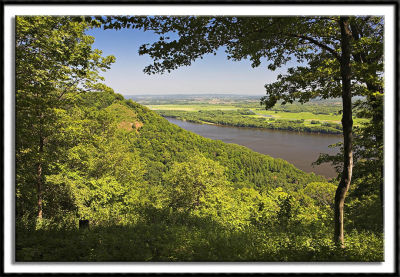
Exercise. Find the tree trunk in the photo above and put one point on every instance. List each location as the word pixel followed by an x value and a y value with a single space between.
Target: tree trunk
pixel 39 180
pixel 347 122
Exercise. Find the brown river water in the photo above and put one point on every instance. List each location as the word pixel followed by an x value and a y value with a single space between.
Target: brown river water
pixel 300 149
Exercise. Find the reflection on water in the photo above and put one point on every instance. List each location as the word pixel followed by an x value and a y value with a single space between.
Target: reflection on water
pixel 300 149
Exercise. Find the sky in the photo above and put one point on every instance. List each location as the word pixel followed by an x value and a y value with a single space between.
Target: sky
pixel 212 74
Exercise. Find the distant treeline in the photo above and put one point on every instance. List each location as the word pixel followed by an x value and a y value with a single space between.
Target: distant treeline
pixel 240 118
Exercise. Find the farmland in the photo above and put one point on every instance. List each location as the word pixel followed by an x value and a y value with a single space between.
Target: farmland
pixel 321 116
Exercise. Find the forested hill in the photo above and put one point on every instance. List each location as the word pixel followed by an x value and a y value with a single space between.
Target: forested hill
pixel 154 191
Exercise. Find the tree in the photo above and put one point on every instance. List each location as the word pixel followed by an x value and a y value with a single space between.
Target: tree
pixel 54 62
pixel 338 57
pixel 190 182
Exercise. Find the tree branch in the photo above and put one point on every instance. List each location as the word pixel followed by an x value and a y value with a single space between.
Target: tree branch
pixel 316 42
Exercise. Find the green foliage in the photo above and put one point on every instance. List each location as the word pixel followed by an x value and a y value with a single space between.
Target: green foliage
pixel 181 237
pixel 193 181
pixel 323 193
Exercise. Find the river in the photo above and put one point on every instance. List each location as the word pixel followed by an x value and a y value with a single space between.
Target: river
pixel 300 149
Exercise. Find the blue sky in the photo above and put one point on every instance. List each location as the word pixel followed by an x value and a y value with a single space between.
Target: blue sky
pixel 212 74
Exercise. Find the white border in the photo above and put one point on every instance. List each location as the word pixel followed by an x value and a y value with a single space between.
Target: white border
pixel 388 11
